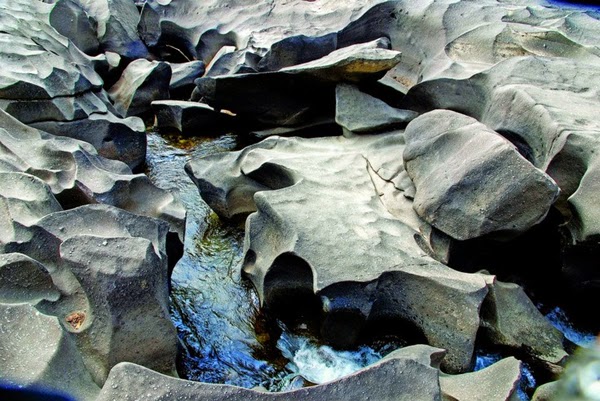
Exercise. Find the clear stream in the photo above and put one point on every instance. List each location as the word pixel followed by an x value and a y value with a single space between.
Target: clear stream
pixel 216 311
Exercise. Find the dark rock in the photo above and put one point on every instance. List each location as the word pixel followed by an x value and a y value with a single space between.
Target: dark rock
pixel 141 83
pixel 299 94
pixel 183 77
pixel 117 22
pixel 359 112
pixel 510 319
pixel 190 118
pixel 297 50
pixel 470 181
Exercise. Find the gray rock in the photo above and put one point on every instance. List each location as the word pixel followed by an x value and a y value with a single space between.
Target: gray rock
pixel 35 350
pixel 46 80
pixel 141 83
pixel 358 112
pixel 405 379
pixel 510 319
pixel 190 118
pixel 117 22
pixel 497 382
pixel 513 98
pixel 200 29
pixel 380 266
pixel 71 21
pixel 110 269
pixel 296 95
pixel 546 392
pixel 297 50
pixel 470 181
pixel 24 280
pixel 125 281
pixel 76 174
pixel 182 78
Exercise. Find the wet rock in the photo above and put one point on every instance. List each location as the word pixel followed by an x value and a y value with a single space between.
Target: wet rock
pixel 190 118
pixel 497 382
pixel 76 174
pixel 71 21
pixel 182 78
pixel 117 22
pixel 470 181
pixel 380 266
pixel 141 83
pixel 510 319
pixel 298 94
pixel 408 380
pixel 35 350
pixel 46 80
pixel 514 99
pixel 358 112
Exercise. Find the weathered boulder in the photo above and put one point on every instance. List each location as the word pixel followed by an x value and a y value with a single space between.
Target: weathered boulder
pixel 408 380
pixel 183 76
pixel 141 83
pixel 46 80
pixel 497 382
pixel 359 112
pixel 514 99
pixel 116 26
pixel 301 93
pixel 509 318
pixel 470 181
pixel 109 268
pixel 76 174
pixel 190 118
pixel 296 50
pixel 71 21
pixel 35 350
pixel 291 250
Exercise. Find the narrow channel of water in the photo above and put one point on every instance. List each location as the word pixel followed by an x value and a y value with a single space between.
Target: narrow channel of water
pixel 215 310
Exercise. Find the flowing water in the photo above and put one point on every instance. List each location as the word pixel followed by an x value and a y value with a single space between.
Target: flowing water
pixel 215 310
pixel 223 336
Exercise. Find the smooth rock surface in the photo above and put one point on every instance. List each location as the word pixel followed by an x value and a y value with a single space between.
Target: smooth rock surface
pixel 35 350
pixel 77 175
pixel 301 93
pixel 71 21
pixel 470 181
pixel 141 83
pixel 515 99
pixel 407 380
pixel 190 118
pixel 46 80
pixel 24 280
pixel 497 382
pixel 359 112
pixel 183 75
